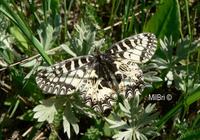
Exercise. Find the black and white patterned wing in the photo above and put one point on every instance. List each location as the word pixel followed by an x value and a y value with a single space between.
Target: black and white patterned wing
pixel 129 77
pixel 78 74
pixel 127 54
pixel 99 95
pixel 138 48
pixel 65 77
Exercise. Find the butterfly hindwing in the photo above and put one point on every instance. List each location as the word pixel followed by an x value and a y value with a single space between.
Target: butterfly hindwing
pixel 129 76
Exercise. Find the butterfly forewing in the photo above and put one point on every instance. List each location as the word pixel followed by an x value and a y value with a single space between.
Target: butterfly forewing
pixel 99 78
pixel 138 48
pixel 64 77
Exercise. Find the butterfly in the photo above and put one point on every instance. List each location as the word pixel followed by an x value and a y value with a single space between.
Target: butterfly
pixel 101 77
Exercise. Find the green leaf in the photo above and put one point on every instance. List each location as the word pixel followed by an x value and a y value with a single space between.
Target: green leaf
pixel 124 108
pixel 161 63
pixel 66 126
pixel 67 49
pixel 190 135
pixel 135 126
pixel 166 21
pixel 152 78
pixel 135 101
pixel 116 123
pixel 70 118
pixel 195 96
pixel 6 51
pixel 126 135
pixel 185 47
pixel 19 37
pixel 45 111
pixel 8 11
pixel 46 36
pixel 30 63
pixel 149 108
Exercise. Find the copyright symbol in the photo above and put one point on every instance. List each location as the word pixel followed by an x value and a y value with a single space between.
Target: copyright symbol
pixel 169 97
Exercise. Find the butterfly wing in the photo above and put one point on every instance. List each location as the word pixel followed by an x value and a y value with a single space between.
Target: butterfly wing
pixel 126 55
pixel 65 77
pixel 99 95
pixel 138 48
pixel 129 76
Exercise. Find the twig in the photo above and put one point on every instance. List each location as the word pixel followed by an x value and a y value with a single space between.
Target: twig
pixel 24 101
pixel 118 23
pixel 29 59
pixel 39 136
pixel 27 131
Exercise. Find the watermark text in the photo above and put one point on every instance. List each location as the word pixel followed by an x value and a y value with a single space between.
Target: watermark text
pixel 160 97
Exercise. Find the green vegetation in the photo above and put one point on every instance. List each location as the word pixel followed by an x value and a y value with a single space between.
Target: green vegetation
pixel 38 33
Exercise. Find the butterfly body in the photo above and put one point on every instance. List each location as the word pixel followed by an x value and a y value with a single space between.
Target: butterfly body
pixel 101 77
